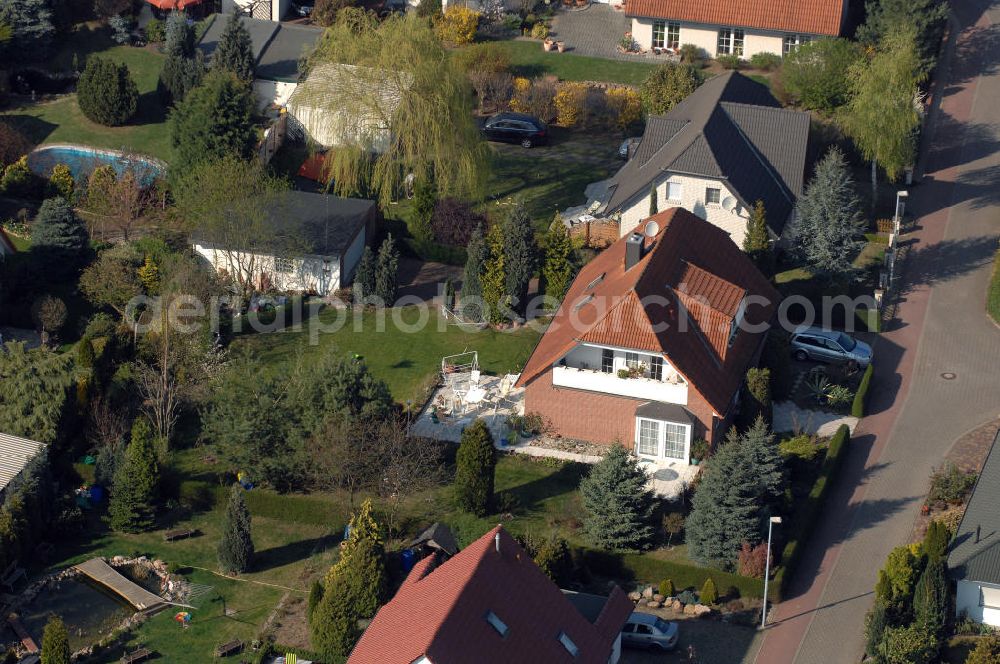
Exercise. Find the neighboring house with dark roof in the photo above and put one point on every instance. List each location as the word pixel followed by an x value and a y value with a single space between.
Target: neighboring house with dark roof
pixel 277 49
pixel 734 27
pixel 974 554
pixel 652 341
pixel 490 604
pixel 723 148
pixel 15 454
pixel 318 243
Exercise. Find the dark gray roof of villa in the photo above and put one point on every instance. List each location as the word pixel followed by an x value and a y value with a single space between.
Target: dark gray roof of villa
pixel 589 606
pixel 730 128
pixel 437 536
pixel 277 47
pixel 974 553
pixel 319 224
pixel 668 412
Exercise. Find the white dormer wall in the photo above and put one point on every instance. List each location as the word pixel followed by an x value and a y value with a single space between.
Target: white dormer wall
pixel 692 199
pixel 581 368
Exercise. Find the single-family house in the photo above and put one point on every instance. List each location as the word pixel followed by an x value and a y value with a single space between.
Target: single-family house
pixel 490 604
pixel 732 27
pixel 974 554
pixel 277 49
pixel 269 10
pixel 318 243
pixel 651 344
pixel 15 454
pixel 724 147
pixel 340 105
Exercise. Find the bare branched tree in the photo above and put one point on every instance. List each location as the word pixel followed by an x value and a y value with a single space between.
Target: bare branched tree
pixel 123 201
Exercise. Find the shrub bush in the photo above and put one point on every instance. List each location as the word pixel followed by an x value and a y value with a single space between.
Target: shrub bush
pixel 484 57
pixel 729 61
pixel 687 597
pixel 494 89
pixel 667 85
pixel 690 54
pixel 457 25
pixel 709 595
pixel 625 106
pixel 646 569
pixel 121 26
pixel 155 31
pixel 61 182
pixel 765 61
pixel 535 98
pixel 13 144
pixel 429 8
pixel 861 396
pixel 807 513
pixel 19 182
pixel 570 103
pixel 666 588
pixel 950 484
pixel 800 447
pixel 325 12
pixel 816 75
pixel 539 31
pixel 752 560
pixel 106 92
pixel 453 222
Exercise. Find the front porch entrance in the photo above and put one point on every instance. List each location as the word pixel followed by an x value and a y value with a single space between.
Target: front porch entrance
pixel 663 431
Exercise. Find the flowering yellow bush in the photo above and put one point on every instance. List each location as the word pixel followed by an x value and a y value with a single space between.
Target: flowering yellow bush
pixel 61 182
pixel 625 105
pixel 457 26
pixel 518 102
pixel 570 103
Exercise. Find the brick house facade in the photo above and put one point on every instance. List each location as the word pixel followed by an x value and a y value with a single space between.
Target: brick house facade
pixel 653 340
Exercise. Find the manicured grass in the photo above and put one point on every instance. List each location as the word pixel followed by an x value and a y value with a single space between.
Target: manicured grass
pixel 20 243
pixel 993 295
pixel 405 360
pixel 60 120
pixel 529 60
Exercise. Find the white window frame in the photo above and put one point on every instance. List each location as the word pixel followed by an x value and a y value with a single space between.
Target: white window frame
pixel 656 367
pixel 730 41
pixel 661 429
pixel 659 39
pixel 284 265
pixel 675 188
pixel 607 361
pixel 673 35
pixel 718 191
pixel 632 360
pixel 790 42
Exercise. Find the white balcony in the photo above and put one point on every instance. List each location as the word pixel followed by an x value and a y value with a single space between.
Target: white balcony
pixel 670 390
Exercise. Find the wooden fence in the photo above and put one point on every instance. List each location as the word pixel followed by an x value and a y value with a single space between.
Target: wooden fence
pixel 596 233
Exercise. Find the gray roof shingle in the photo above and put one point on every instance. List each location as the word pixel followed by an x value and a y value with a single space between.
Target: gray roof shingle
pixel 974 554
pixel 277 47
pixel 730 128
pixel 319 224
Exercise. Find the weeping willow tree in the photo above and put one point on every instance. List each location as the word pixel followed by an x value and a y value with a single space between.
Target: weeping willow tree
pixel 393 102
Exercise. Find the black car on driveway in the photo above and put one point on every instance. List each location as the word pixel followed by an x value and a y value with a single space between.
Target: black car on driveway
pixel 525 130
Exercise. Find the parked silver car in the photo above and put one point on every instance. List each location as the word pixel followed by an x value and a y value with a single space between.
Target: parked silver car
pixel 643 630
pixel 814 343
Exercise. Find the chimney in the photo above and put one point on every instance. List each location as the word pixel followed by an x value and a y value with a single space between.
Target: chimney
pixel 633 250
pixel 978 530
pixel 496 539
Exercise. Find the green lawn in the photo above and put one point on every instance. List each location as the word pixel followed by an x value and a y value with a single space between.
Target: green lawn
pixel 529 60
pixel 60 120
pixel 993 296
pixel 415 357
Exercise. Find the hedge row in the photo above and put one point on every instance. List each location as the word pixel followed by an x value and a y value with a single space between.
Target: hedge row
pixel 807 514
pixel 311 510
pixel 646 569
pixel 861 396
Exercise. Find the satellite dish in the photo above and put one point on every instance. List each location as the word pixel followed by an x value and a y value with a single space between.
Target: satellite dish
pixel 652 229
pixel 728 203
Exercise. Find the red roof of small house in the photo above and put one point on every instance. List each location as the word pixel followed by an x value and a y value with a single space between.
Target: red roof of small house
pixel 680 299
pixel 313 167
pixel 173 4
pixel 440 612
pixel 814 17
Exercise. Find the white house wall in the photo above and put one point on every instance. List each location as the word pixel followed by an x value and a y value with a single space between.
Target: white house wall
pixel 353 256
pixel 583 371
pixel 967 599
pixel 693 200
pixel 272 92
pixel 277 12
pixel 706 37
pixel 309 273
pixel 326 128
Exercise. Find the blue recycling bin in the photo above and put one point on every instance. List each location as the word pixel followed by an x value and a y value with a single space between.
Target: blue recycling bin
pixel 407 559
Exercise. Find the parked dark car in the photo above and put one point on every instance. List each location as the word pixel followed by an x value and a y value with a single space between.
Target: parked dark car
pixel 304 8
pixel 525 130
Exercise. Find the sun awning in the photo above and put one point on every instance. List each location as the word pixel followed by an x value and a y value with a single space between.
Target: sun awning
pixel 173 4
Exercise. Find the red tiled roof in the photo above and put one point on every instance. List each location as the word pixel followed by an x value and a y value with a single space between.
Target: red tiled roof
pixel 441 612
pixel 680 300
pixel 814 17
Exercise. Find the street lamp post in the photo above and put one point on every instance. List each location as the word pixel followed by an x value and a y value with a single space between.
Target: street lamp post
pixel 767 569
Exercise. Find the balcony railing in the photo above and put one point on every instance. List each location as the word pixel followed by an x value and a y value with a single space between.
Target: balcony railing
pixel 671 390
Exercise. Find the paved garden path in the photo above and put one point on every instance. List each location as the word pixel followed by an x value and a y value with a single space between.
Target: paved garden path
pixel 595 31
pixel 940 328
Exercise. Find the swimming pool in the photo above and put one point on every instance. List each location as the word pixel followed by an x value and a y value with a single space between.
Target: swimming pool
pixel 83 160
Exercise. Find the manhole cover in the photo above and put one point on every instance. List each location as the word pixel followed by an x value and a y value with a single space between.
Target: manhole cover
pixel 665 475
pixel 948 375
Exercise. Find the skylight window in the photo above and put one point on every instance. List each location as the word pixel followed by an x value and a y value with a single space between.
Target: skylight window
pixel 568 644
pixel 497 624
pixel 596 281
pixel 582 302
